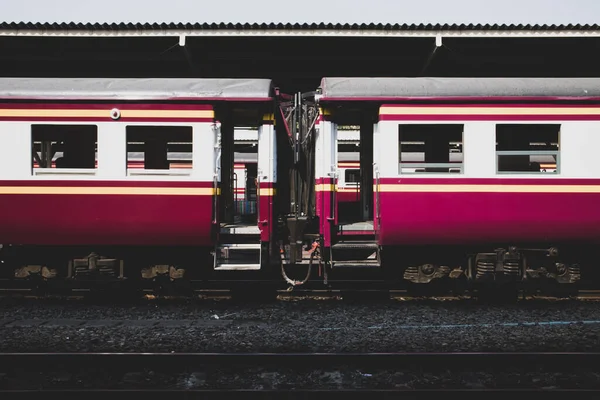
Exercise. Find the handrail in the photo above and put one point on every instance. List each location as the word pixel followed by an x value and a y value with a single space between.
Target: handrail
pixel 333 176
pixel 258 216
pixel 64 171
pixel 377 202
pixel 161 172
pixel 217 173
pixel 215 199
pixel 430 165
pixel 527 152
pixel 235 194
pixel 450 166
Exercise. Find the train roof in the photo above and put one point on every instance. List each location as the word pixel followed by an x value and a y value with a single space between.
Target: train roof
pixel 390 89
pixel 136 89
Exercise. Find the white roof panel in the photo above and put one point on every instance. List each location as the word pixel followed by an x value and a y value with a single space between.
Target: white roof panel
pixel 135 89
pixel 408 88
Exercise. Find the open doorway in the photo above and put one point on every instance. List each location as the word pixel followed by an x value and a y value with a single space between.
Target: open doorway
pixel 355 178
pixel 245 174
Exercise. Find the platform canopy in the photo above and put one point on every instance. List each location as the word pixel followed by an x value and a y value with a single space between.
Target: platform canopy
pixel 136 89
pixel 308 29
pixel 366 89
pixel 296 56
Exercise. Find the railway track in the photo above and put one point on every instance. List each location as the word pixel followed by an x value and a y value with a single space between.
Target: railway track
pixel 107 373
pixel 265 289
pixel 285 295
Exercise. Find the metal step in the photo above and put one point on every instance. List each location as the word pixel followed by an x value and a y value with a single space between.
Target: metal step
pixel 236 267
pixel 240 229
pixel 238 257
pixel 355 245
pixel 241 246
pixel 356 264
pixel 350 253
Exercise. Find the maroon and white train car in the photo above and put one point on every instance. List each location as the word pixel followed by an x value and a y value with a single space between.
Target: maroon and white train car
pixel 504 168
pixel 94 195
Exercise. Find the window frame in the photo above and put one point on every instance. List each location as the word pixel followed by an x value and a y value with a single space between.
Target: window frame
pixel 450 165
pixel 498 153
pixel 346 171
pixel 50 171
pixel 175 172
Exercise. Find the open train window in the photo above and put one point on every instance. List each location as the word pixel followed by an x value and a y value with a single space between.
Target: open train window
pixel 527 148
pixel 352 176
pixel 430 148
pixel 348 143
pixel 159 150
pixel 64 149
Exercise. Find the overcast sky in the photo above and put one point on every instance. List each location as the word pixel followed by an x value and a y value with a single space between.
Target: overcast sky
pixel 345 11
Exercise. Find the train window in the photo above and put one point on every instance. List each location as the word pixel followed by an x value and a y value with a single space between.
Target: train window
pixel 352 176
pixel 527 148
pixel 159 150
pixel 430 148
pixel 348 143
pixel 64 149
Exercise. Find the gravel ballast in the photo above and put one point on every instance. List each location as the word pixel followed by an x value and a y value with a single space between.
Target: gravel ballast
pixel 300 326
pixel 319 378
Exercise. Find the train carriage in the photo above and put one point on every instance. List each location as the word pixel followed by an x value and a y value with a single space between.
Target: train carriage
pixel 499 168
pixel 124 168
pixel 426 179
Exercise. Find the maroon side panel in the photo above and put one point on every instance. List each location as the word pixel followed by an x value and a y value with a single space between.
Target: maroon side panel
pixel 348 196
pixel 324 200
pixel 459 217
pixel 109 219
pixel 265 212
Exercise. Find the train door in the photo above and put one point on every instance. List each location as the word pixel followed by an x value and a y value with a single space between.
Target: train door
pixel 355 178
pixel 240 238
pixel 344 180
pixel 349 206
pixel 246 157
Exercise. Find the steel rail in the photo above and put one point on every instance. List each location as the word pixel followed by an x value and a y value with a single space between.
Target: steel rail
pixel 413 362
pixel 326 394
pixel 443 360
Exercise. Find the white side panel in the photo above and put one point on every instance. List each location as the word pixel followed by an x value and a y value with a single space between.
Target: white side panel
pixel 319 127
pixel 16 155
pixel 479 151
pixel 326 150
pixel 267 153
pixel 216 151
pixel 388 157
pixel 112 151
pixel 203 154
pixel 579 144
pixel 376 151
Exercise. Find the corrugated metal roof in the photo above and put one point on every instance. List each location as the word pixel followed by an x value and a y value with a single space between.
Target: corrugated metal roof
pixel 14 28
pixel 296 26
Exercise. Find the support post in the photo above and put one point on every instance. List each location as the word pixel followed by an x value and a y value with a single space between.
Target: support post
pixel 227 155
pixel 366 168
pixel 326 178
pixel 266 177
